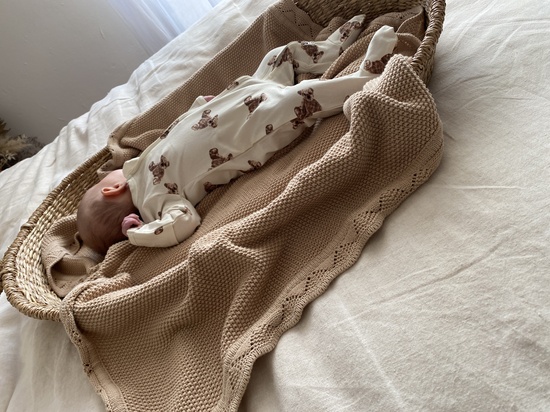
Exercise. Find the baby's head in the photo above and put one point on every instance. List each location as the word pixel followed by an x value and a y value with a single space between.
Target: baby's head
pixel 101 211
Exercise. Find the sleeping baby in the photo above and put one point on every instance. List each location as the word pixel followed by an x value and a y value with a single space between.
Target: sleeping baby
pixel 151 200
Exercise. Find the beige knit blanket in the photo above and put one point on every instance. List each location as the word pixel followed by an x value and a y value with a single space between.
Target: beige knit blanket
pixel 180 328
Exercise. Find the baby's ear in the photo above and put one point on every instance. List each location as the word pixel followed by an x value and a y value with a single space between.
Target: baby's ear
pixel 113 190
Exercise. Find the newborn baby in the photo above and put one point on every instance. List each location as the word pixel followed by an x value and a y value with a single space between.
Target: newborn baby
pixel 151 200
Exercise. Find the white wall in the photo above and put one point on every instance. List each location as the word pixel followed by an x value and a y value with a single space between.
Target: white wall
pixel 58 57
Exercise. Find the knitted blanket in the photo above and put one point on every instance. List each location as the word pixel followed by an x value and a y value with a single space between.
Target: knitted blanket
pixel 180 328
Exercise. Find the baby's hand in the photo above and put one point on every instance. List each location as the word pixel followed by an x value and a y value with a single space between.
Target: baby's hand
pixel 130 222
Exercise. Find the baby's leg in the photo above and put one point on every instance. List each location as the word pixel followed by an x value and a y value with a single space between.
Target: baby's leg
pixel 283 63
pixel 323 98
pixel 316 56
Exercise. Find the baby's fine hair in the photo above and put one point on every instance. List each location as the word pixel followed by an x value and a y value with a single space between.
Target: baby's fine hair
pixel 104 225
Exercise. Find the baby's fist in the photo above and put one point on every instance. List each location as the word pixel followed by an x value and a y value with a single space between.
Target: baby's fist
pixel 129 222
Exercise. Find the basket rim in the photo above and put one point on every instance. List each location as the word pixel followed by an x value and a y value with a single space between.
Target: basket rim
pixel 8 264
pixel 426 50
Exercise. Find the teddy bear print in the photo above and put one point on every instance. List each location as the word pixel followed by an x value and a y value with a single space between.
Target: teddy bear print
pixel 307 108
pixel 268 128
pixel 209 187
pixel 159 230
pixel 218 159
pixel 232 85
pixel 254 165
pixel 206 120
pixel 312 50
pixel 377 67
pixel 273 60
pixel 165 133
pixel 284 56
pixel 158 169
pixel 172 188
pixel 347 28
pixel 253 102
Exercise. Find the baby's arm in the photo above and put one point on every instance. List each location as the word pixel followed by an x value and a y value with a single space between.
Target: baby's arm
pixel 177 224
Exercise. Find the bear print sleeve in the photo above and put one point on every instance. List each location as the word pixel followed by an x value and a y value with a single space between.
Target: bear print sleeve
pixel 176 224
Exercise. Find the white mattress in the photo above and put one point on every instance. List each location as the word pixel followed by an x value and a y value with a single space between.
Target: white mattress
pixel 448 306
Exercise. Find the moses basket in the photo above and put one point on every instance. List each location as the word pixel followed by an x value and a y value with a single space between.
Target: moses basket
pixel 22 272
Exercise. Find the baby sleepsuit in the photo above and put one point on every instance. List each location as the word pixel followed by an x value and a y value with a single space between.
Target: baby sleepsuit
pixel 240 129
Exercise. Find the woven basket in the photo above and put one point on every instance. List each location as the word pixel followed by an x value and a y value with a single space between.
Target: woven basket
pixel 21 269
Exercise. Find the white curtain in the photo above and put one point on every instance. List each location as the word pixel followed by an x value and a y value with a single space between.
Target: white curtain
pixel 156 22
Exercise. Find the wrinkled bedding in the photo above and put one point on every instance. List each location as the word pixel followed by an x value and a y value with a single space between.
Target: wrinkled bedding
pixel 446 308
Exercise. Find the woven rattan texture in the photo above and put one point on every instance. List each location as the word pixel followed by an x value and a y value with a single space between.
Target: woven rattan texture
pixel 24 282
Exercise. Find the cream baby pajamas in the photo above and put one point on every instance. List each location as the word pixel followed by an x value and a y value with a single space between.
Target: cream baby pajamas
pixel 240 129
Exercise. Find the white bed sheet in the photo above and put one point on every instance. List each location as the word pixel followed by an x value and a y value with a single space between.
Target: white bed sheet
pixel 447 308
